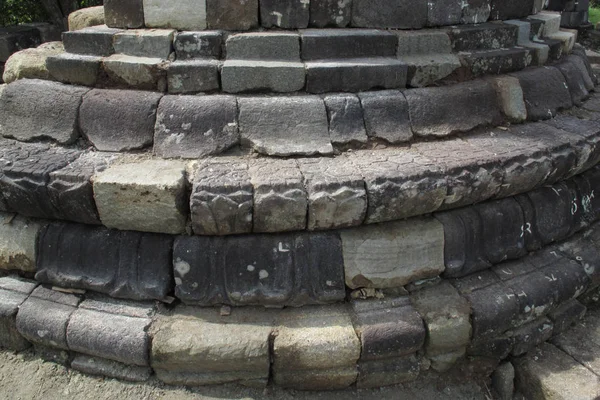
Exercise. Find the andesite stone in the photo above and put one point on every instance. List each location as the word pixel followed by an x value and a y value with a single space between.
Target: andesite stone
pixel 183 15
pixel 395 14
pixel 124 14
pixel 232 15
pixel 202 44
pixel 286 14
pixel 86 17
pixel 136 72
pixel 30 63
pixel 94 41
pixel 193 76
pixel 346 119
pixel 330 13
pixel 156 43
pixel 327 44
pixel 108 368
pixel 13 292
pixel 18 238
pixel 75 69
pixel 386 115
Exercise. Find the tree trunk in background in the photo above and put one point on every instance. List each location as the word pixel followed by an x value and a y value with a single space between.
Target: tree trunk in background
pixel 59 11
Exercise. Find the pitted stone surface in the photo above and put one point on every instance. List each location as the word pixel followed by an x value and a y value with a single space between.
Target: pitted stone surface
pixel 277 270
pixel 287 14
pixel 183 15
pixel 17 38
pixel 124 14
pixel 202 44
pixel 346 119
pixel 393 254
pixel 232 15
pixel 386 116
pixel 195 126
pixel 336 193
pixel 136 72
pixel 400 14
pixel 86 17
pixel 129 265
pixel 280 199
pixel 135 111
pixel 145 42
pixel 330 13
pixel 93 41
pixel 222 198
pixel 74 68
pixel 148 196
pixel 18 243
pixel 29 109
pixel 268 123
pixel 476 11
pixel 193 76
pixel 13 292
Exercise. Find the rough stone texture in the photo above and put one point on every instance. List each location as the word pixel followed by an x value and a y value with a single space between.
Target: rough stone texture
pixel 549 373
pixel 510 98
pixel 268 123
pixel 496 62
pixel 232 15
pixel 400 184
pixel 183 15
pixel 190 45
pixel 444 12
pixel 567 315
pixel 74 68
pixel 153 43
pixel 111 369
pixel 287 14
pixel 238 76
pixel 195 346
pixel 530 335
pixel 111 333
pixel 392 371
pixel 315 349
pixel 129 265
pixel 195 126
pixel 488 36
pixel 30 63
pixel 575 80
pixel 124 14
pixel 13 292
pixel 18 238
pixel 476 11
pixel 330 13
pixel 193 76
pixel 437 112
pixel 401 14
pixel 494 308
pixel 222 199
pixel 86 17
pixel 511 9
pixel 280 199
pixel 136 72
pixel 503 381
pixel 44 316
pixel 29 110
pixel 327 44
pixel 94 41
pixel 135 111
pixel 581 342
pixel 336 193
pixel 346 120
pixel 545 92
pixel 148 196
pixel 386 116
pixel 273 271
pixel 264 46
pixel 394 254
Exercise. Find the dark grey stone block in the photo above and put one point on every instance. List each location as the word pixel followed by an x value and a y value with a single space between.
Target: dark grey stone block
pixel 110 369
pixel 232 15
pixel 122 264
pixel 486 36
pixel 153 43
pixel 530 335
pixel 191 45
pixel 493 310
pixel 476 281
pixel 74 68
pixel 498 347
pixel 193 76
pixel 575 81
pixel 135 111
pixel 584 251
pixel 346 119
pixel 567 315
pixel 93 41
pixel 16 38
pixel 387 116
pixel 536 295
pixel 328 44
pixel 124 13
pixel 275 270
pixel 29 110
pixel 586 186
pixel 496 62
pixel 401 14
pixel 444 12
pixel 287 14
pixel 13 292
pixel 511 9
pixel 264 46
pixel 330 13
pixel 393 371
pixel 195 126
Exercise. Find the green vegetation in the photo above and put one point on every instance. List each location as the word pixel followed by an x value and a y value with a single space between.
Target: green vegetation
pixel 595 14
pixel 14 12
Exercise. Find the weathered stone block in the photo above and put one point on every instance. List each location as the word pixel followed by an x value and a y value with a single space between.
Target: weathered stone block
pixel 232 15
pixel 193 76
pixel 86 17
pixel 566 316
pixel 386 116
pixel 268 123
pixel 148 196
pixel 400 14
pixel 394 254
pixel 136 72
pixel 327 44
pixel 528 336
pixel 195 126
pixel 239 76
pixel 135 111
pixel 74 68
pixel 15 38
pixel 510 98
pixel 476 11
pixel 124 13
pixel 153 43
pixel 30 63
pixel 264 46
pixel 393 371
pixel 287 14
pixel 575 80
pixel 425 70
pixel 129 265
pixel 511 9
pixel 444 12
pixel 496 62
pixel 276 270
pixel 13 292
pixel 110 369
pixel 336 193
pixel 493 310
pixel 184 15
pixel 346 119
pixel 18 239
pixel 315 350
pixel 94 41
pixel 490 36
pixel 29 109
pixel 330 13
pixel 190 45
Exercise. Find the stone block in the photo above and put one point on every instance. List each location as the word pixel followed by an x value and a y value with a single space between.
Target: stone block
pixel 566 316
pixel 530 335
pixel 503 381
pixel 185 15
pixel 124 14
pixel 393 371
pixel 136 72
pixel 113 332
pixel 94 41
pixel 444 12
pixel 268 123
pixel 195 346
pixel 135 111
pixel 394 254
pixel 336 193
pixel 15 38
pixel 147 196
pixel 427 42
pixel 203 44
pixel 238 76
pixel 44 316
pixel 29 110
pixel 86 17
pixel 575 81
pixel 496 62
pixel 232 15
pixel 222 199
pixel 355 75
pixel 111 369
pixel 346 119
pixel 400 184
pixel 536 295
pixel 152 43
pixel 30 63
pixel 18 243
pixel 510 98
pixel 396 14
pixel 280 199
pixel 511 9
pixel 315 349
pixel 476 11
pixel 13 292
pixel 426 70
pixel 438 112
pixel 386 115
pixel 494 310
pixel 195 126
pixel 286 14
pixel 130 265
pixel 74 68
pixel 330 13
pixel 264 46
pixel 486 36
pixel 193 76
pixel 497 348
pixel 580 343
pixel 540 53
pixel 328 44
pixel 273 271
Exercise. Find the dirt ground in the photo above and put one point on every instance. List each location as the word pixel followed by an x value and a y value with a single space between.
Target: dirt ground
pixel 25 376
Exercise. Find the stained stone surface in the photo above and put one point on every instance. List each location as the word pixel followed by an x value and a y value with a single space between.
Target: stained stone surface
pixel 74 68
pixel 13 292
pixel 476 11
pixel 18 236
pixel 86 17
pixel 112 369
pixel 444 12
pixel 232 15
pixel 511 9
pixel 124 14
pixel 486 36
pixel 239 76
pixel 94 41
pixel 400 14
pixel 136 72
pixel 30 63
pixel 346 119
pixel 201 44
pixel 193 76
pixel 321 44
pixel 287 14
pixel 183 15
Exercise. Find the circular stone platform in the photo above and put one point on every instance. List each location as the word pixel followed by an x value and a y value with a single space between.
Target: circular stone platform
pixel 212 201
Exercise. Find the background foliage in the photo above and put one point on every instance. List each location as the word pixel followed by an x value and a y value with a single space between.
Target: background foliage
pixel 14 12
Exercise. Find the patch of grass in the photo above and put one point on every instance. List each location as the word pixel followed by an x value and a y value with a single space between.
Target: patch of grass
pixel 594 15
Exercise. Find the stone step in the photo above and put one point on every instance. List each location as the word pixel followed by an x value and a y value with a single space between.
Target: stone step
pixel 496 62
